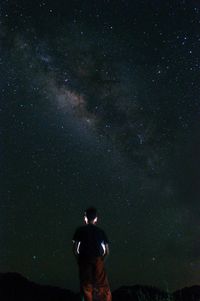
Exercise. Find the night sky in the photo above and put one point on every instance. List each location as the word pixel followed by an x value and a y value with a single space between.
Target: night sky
pixel 100 105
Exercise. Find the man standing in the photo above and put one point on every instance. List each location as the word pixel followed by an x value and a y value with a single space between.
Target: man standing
pixel 90 247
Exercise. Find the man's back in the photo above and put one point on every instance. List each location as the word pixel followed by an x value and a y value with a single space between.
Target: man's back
pixel 92 241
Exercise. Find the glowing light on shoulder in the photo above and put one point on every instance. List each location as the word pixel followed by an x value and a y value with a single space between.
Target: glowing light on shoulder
pixel 104 248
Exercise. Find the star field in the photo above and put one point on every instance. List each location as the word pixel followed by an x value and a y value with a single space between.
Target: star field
pixel 100 106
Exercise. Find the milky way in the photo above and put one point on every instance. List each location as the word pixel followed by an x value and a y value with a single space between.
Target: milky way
pixel 100 105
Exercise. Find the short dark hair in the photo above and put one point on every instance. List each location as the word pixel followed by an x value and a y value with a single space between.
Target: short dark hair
pixel 91 213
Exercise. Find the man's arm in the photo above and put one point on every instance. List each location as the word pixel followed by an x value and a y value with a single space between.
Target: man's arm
pixel 107 250
pixel 75 248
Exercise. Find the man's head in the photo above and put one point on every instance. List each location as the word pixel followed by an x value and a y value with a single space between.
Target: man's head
pixel 90 215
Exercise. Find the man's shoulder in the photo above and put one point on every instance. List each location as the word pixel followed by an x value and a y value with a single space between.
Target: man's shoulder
pixel 100 230
pixel 78 232
pixel 102 234
pixel 80 229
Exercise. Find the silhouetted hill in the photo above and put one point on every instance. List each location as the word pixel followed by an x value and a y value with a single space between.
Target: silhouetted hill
pixel 188 293
pixel 14 286
pixel 140 293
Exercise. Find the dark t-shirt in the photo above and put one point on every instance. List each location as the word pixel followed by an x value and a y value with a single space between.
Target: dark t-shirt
pixel 92 240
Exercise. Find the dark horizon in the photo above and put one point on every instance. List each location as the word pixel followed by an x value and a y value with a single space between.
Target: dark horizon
pixel 18 280
pixel 100 106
